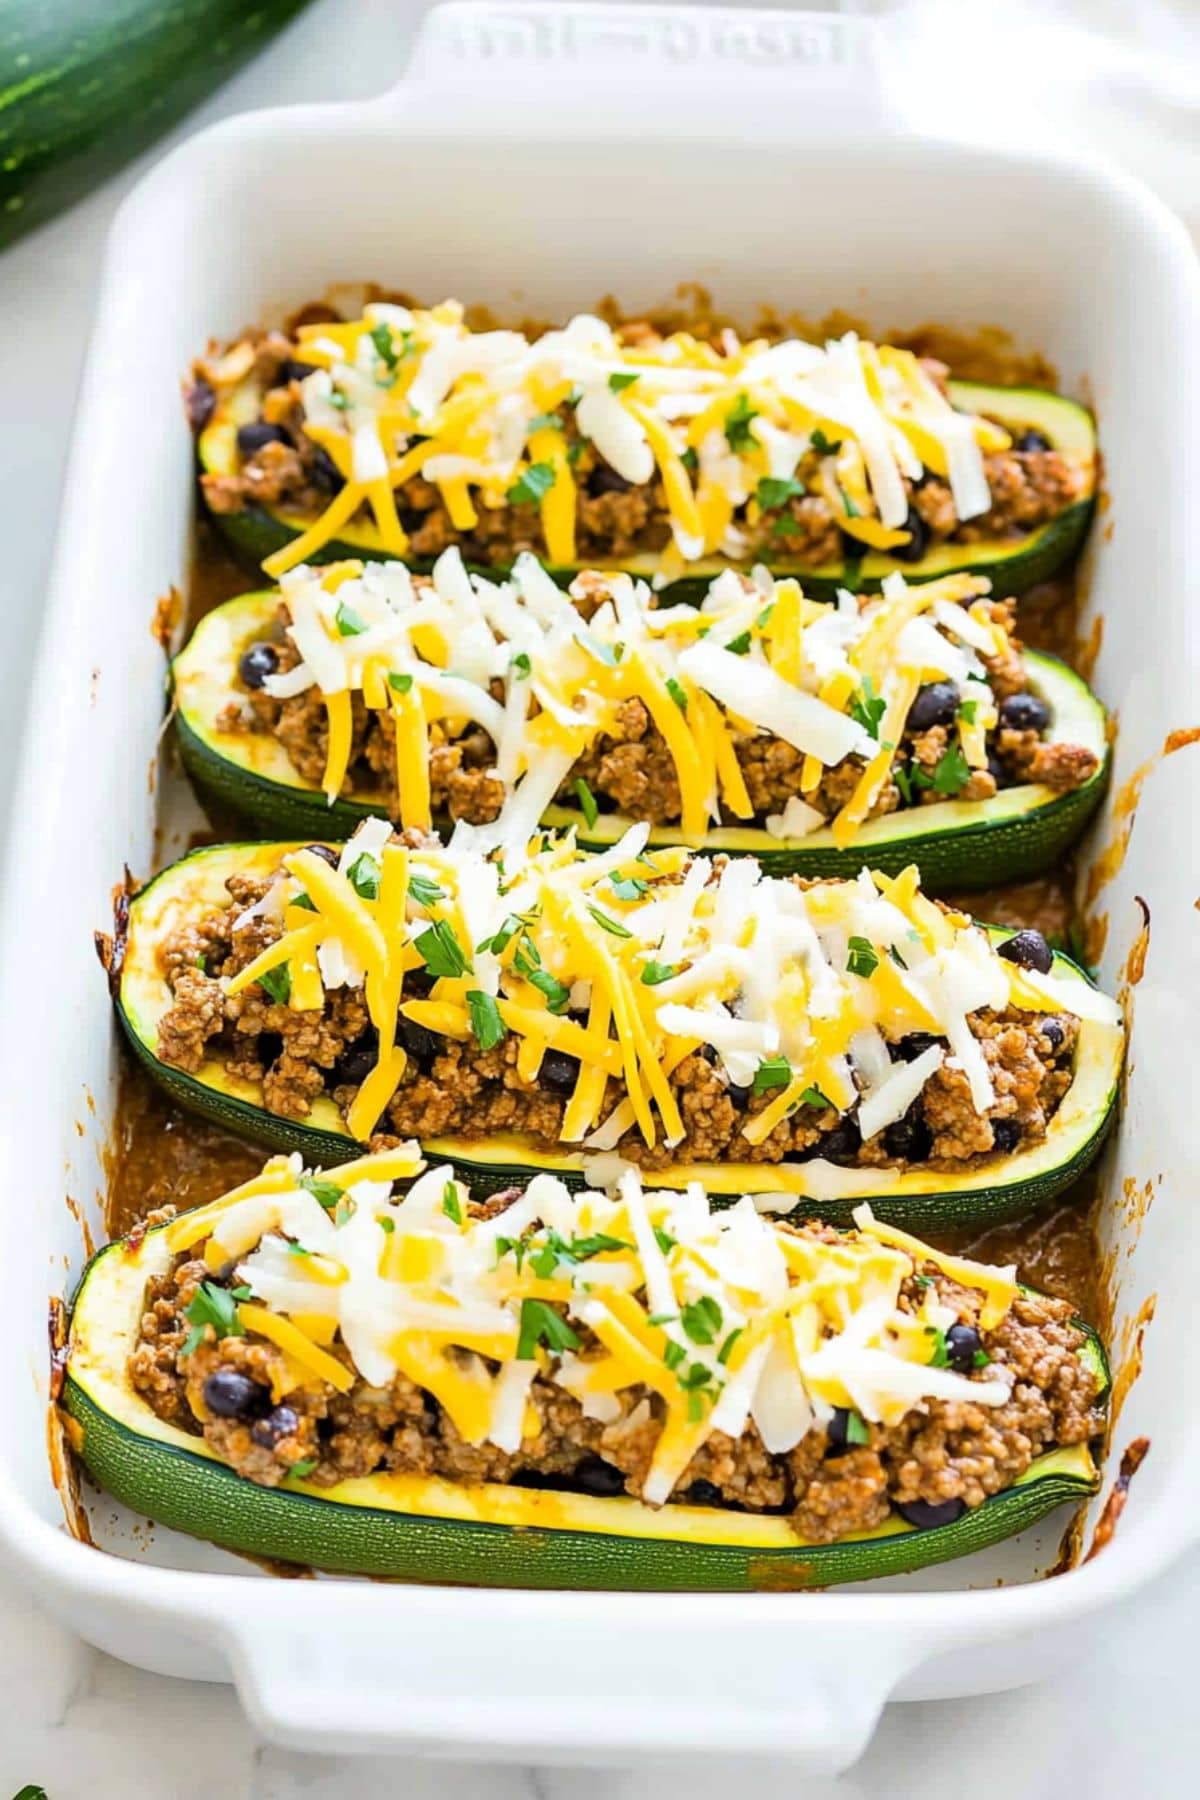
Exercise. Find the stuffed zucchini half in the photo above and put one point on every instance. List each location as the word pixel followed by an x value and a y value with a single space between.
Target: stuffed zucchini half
pixel 593 1390
pixel 828 1043
pixel 815 736
pixel 403 431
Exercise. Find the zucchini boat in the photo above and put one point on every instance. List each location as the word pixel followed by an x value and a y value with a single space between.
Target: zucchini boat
pixel 815 737
pixel 846 998
pixel 585 1345
pixel 400 432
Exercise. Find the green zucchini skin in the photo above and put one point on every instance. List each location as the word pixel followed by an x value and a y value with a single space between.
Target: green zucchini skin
pixel 1013 565
pixel 963 845
pixel 1015 1186
pixel 194 1493
pixel 86 86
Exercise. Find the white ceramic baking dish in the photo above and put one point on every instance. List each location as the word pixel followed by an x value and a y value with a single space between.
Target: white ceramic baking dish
pixel 548 155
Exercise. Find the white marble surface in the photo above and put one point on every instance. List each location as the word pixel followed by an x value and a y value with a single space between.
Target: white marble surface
pixel 1123 1718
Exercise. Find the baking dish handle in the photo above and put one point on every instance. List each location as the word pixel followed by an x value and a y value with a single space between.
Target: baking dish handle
pixel 435 1676
pixel 572 57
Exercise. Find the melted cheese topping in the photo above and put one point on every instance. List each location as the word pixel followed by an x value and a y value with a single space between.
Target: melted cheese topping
pixel 482 414
pixel 796 990
pixel 832 680
pixel 728 1317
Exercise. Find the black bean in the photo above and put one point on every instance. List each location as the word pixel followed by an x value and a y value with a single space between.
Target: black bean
pixel 1029 950
pixel 355 1064
pixel 323 471
pixel 740 1096
pixel 918 542
pixel 200 403
pixel 1032 440
pixel 700 1493
pixel 963 1343
pixel 1053 1033
pixel 1024 712
pixel 997 771
pixel 256 662
pixel 280 1423
pixel 837 1427
pixel 296 371
pixel 909 1139
pixel 234 1396
pixel 1006 1135
pixel 559 1071
pixel 925 1514
pixel 422 1044
pixel 604 480
pixel 907 1049
pixel 326 853
pixel 253 436
pixel 936 704
pixel 840 1144
pixel 595 1476
pixel 852 550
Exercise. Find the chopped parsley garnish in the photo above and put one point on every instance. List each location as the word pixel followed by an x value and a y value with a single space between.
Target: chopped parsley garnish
pixel 783 526
pixel 424 890
pixel 940 1358
pixel 675 689
pixel 620 379
pixel 559 1251
pixel 739 645
pixel 576 450
pixel 363 874
pixel 630 887
pixel 533 485
pixel 868 708
pixel 673 1353
pixel 349 623
pixel 696 1375
pixel 451 1204
pixel 655 973
pixel 771 491
pixel 663 1239
pixel 298 1250
pixel 822 445
pixel 399 684
pixel 202 961
pixel 514 1247
pixel 862 959
pixel 967 710
pixel 504 937
pixel 302 901
pixel 587 802
pixel 980 1360
pixel 896 957
pixel 528 963
pixel 812 1096
pixel 701 1319
pixel 544 422
pixel 690 460
pixel 910 781
pixel 696 1407
pixel 216 1306
pixel 381 337
pixel 723 1354
pixel 607 923
pixel 952 773
pixel 486 1023
pixel 325 1193
pixel 857 1429
pixel 923 1281
pixel 304 1467
pixel 540 1324
pixel 521 665
pixel 277 984
pixel 852 510
pixel 661 1318
pixel 772 1072
pixel 764 617
pixel 386 1225
pixel 738 434
pixel 441 951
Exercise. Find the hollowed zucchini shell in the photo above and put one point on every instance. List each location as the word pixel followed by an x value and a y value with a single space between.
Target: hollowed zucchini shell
pixel 919 1198
pixel 429 1529
pixel 957 843
pixel 1012 563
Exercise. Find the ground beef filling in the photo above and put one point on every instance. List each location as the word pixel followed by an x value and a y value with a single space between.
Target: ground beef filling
pixel 631 770
pixel 456 1089
pixel 1030 483
pixel 951 1455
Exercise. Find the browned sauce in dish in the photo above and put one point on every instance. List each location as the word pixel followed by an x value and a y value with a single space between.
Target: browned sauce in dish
pixel 162 1155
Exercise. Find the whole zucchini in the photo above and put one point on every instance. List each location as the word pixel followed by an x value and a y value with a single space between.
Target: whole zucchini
pixel 86 86
pixel 918 1198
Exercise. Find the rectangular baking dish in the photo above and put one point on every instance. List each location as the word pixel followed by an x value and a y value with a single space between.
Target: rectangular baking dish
pixel 540 158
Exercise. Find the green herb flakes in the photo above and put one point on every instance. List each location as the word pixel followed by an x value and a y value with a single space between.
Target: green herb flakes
pixel 533 485
pixel 540 1324
pixel 489 1028
pixel 862 959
